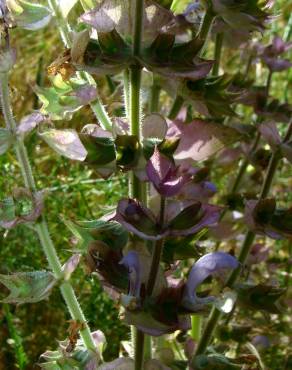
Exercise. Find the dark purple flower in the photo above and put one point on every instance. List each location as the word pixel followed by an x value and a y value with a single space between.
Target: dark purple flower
pixel 167 179
pixel 207 265
pixel 182 218
pixel 194 218
pixel 271 55
pixel 138 219
pixel 132 263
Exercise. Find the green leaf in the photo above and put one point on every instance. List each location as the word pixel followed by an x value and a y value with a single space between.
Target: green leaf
pixel 28 287
pixel 178 6
pixel 64 358
pixel 28 15
pixel 109 232
pixel 64 98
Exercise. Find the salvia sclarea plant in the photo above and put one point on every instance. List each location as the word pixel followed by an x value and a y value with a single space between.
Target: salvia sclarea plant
pixel 185 116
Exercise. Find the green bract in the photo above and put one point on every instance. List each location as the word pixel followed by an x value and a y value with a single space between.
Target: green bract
pixel 29 15
pixel 28 287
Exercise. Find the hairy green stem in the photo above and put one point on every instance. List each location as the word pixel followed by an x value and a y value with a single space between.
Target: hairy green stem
pixel 245 248
pixel 196 327
pixel 244 165
pixel 19 352
pixel 147 347
pixel 135 97
pixel 137 189
pixel 41 226
pixel 217 53
pixel 206 26
pixel 64 28
pixel 126 93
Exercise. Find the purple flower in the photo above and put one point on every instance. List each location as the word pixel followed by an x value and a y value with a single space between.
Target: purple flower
pixel 132 263
pixel 205 266
pixel 261 342
pixel 164 175
pixel 271 55
pixel 194 218
pixel 138 219
pixel 182 219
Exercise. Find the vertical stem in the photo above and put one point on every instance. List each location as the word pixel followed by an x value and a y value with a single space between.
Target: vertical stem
pixel 138 27
pixel 176 106
pixel 136 187
pixel 62 24
pixel 245 249
pixel 196 327
pixel 135 86
pixel 244 165
pixel 147 347
pixel 208 331
pixel 206 25
pixel 139 339
pixel 269 82
pixel 19 351
pixel 217 54
pixel 157 250
pixel 126 93
pixel 41 226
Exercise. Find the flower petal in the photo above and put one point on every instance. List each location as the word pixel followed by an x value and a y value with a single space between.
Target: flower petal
pixel 205 266
pixel 132 263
